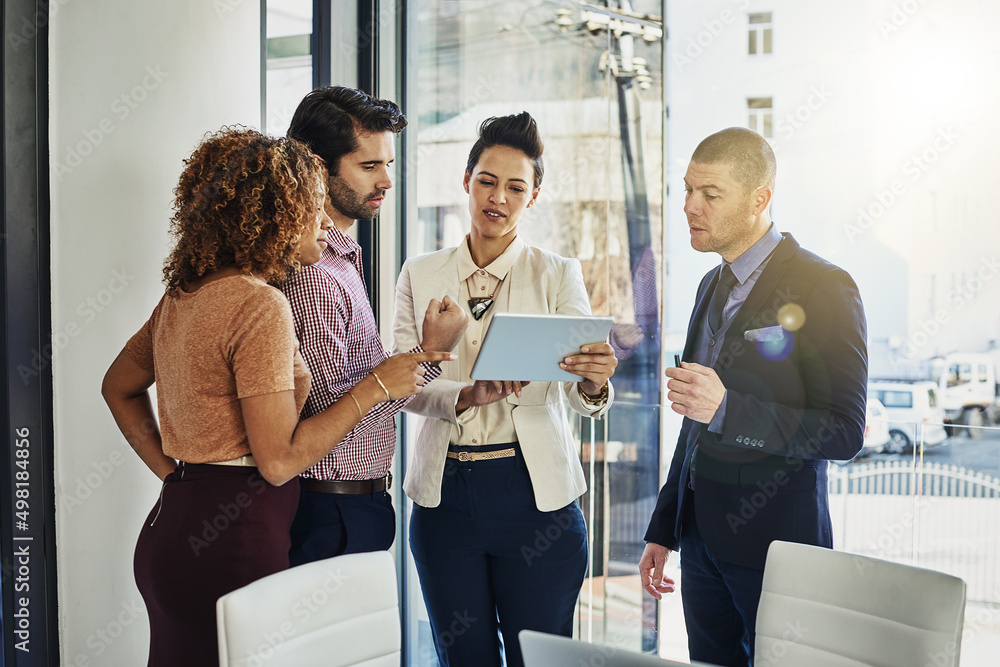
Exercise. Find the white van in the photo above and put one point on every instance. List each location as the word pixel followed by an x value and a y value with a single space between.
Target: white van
pixel 876 427
pixel 915 416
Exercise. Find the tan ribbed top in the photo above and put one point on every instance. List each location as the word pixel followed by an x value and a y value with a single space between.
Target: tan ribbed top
pixel 230 339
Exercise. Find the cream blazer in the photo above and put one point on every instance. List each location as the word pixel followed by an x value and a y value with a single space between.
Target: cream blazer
pixel 540 282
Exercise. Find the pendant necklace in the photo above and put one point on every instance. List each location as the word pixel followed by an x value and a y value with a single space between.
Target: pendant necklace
pixel 479 305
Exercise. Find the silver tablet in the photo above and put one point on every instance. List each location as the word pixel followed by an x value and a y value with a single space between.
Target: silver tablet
pixel 523 346
pixel 544 650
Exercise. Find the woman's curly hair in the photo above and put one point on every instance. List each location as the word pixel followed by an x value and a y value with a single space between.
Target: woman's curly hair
pixel 242 200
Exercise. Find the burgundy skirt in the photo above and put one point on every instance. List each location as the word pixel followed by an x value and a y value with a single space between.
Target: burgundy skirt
pixel 213 530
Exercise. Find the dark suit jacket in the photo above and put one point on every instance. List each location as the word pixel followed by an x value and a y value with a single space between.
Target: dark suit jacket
pixel 795 397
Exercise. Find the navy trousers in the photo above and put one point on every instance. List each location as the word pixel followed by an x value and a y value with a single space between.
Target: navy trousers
pixel 720 601
pixel 333 524
pixel 491 564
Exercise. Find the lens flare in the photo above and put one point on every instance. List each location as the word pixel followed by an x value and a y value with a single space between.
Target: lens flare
pixel 776 348
pixel 791 316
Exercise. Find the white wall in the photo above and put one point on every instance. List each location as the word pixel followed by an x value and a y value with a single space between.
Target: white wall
pixel 133 87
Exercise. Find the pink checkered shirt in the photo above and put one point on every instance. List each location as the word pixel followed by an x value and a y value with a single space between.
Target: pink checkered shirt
pixel 339 341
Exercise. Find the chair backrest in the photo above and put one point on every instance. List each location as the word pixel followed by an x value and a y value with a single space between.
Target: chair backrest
pixel 331 613
pixel 544 650
pixel 821 607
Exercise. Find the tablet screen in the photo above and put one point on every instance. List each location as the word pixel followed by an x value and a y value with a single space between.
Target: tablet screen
pixel 529 346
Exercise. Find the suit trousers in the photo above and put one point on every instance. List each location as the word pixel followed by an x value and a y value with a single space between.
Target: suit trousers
pixel 491 564
pixel 720 600
pixel 213 530
pixel 334 524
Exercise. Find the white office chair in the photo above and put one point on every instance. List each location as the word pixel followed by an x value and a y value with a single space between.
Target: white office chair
pixel 332 613
pixel 825 608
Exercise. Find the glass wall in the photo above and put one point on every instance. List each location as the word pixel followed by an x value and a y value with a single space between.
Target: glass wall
pixel 882 152
pixel 888 188
pixel 592 79
pixel 934 503
pixel 289 72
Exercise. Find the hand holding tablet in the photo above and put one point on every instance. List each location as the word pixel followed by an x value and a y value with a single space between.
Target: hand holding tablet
pixel 594 365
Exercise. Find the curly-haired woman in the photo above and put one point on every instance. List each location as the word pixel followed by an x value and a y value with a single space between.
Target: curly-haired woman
pixel 221 348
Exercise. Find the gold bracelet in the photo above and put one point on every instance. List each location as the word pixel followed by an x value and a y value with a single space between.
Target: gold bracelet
pixel 596 400
pixel 361 415
pixel 379 380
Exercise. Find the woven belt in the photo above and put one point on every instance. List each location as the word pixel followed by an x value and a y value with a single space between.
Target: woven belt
pixel 246 460
pixel 347 487
pixel 482 456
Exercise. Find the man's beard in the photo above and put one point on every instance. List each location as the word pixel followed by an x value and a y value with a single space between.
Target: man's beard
pixel 350 204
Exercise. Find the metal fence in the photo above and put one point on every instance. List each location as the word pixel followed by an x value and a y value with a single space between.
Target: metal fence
pixel 903 478
pixel 934 515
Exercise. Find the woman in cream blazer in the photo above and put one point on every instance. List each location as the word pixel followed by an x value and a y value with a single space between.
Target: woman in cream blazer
pixel 497 536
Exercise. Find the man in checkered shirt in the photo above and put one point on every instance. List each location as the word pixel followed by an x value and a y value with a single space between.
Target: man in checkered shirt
pixel 344 506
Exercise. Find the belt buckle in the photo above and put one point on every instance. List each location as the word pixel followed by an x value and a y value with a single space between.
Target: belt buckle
pixel 464 456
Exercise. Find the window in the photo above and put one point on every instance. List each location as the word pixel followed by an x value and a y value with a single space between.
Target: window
pixel 896 399
pixel 601 203
pixel 959 374
pixel 760 33
pixel 761 115
pixel 934 246
pixel 289 61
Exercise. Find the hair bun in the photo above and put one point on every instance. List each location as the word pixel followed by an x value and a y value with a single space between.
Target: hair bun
pixel 517 131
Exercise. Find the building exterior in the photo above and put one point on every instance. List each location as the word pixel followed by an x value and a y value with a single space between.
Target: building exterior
pixel 883 135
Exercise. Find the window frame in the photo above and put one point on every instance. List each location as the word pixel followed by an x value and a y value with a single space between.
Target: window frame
pixel 760 33
pixel 760 118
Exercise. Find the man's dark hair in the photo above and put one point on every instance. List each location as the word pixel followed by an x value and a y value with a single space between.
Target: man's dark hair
pixel 518 131
pixel 328 121
pixel 749 154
